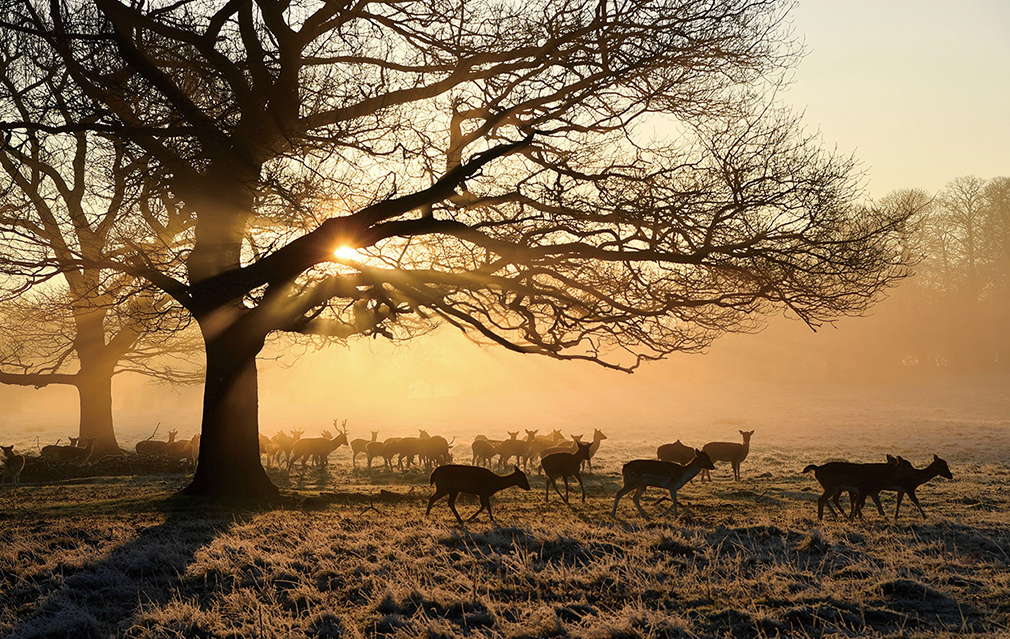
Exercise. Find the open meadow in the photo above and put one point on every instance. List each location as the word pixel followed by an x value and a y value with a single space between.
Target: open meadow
pixel 349 553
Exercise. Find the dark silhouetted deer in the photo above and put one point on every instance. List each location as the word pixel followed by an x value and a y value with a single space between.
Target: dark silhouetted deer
pixel 639 474
pixel 565 465
pixel 453 479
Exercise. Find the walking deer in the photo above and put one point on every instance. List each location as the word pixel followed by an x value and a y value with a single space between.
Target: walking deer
pixel 906 482
pixel 453 479
pixel 13 465
pixel 732 452
pixel 859 480
pixel 564 465
pixel 639 474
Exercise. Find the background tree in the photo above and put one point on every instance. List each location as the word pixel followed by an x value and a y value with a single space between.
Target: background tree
pixel 582 180
pixel 65 319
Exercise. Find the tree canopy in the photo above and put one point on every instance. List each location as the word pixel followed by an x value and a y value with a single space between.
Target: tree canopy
pixel 582 180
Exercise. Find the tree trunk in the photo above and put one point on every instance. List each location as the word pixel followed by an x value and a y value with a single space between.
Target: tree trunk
pixel 94 380
pixel 229 465
pixel 95 390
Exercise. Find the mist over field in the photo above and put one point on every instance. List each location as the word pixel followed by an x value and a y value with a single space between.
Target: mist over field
pixel 799 390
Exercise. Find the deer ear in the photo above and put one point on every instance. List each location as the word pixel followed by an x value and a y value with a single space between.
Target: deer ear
pixel 935 457
pixel 515 468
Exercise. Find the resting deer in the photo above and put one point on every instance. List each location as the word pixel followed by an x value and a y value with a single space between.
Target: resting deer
pixel 639 474
pixel 453 479
pixel 728 451
pixel 72 453
pixel 905 483
pixel 13 465
pixel 565 465
pixel 859 480
pixel 358 447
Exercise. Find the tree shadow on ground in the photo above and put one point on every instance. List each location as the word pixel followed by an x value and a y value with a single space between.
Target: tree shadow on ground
pixel 103 596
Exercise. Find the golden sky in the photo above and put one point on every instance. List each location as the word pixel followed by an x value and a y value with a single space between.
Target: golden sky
pixel 919 90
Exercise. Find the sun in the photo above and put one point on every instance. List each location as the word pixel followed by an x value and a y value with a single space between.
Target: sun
pixel 346 253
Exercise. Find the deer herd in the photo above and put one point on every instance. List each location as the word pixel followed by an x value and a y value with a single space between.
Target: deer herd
pixel 555 456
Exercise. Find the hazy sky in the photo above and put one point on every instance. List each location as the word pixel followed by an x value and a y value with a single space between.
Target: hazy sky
pixel 918 89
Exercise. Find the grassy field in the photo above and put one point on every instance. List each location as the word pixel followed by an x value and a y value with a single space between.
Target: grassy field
pixel 120 557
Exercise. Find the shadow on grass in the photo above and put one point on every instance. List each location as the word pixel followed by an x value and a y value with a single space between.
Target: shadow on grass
pixel 103 596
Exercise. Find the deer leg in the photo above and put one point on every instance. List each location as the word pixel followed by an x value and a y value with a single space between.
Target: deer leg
pixel 579 477
pixel 637 498
pixel 915 500
pixel 485 504
pixel 673 498
pixel 620 493
pixel 876 502
pixel 823 501
pixel 452 507
pixel 431 502
pixel 554 482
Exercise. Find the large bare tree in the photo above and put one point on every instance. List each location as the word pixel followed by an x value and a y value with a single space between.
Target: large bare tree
pixel 582 180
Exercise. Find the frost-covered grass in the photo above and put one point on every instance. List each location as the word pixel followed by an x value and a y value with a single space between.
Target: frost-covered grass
pixel 120 557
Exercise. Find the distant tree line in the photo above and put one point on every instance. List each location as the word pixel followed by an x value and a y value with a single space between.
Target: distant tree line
pixel 949 316
pixel 955 312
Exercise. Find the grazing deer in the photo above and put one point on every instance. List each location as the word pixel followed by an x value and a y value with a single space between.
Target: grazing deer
pixel 284 445
pixel 267 448
pixel 453 479
pixel 728 451
pixel 318 448
pixel 675 452
pixel 906 482
pixel 435 451
pixel 13 465
pixel 358 447
pixel 859 480
pixel 564 465
pixel 483 451
pixel 155 448
pixel 373 450
pixel 639 474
